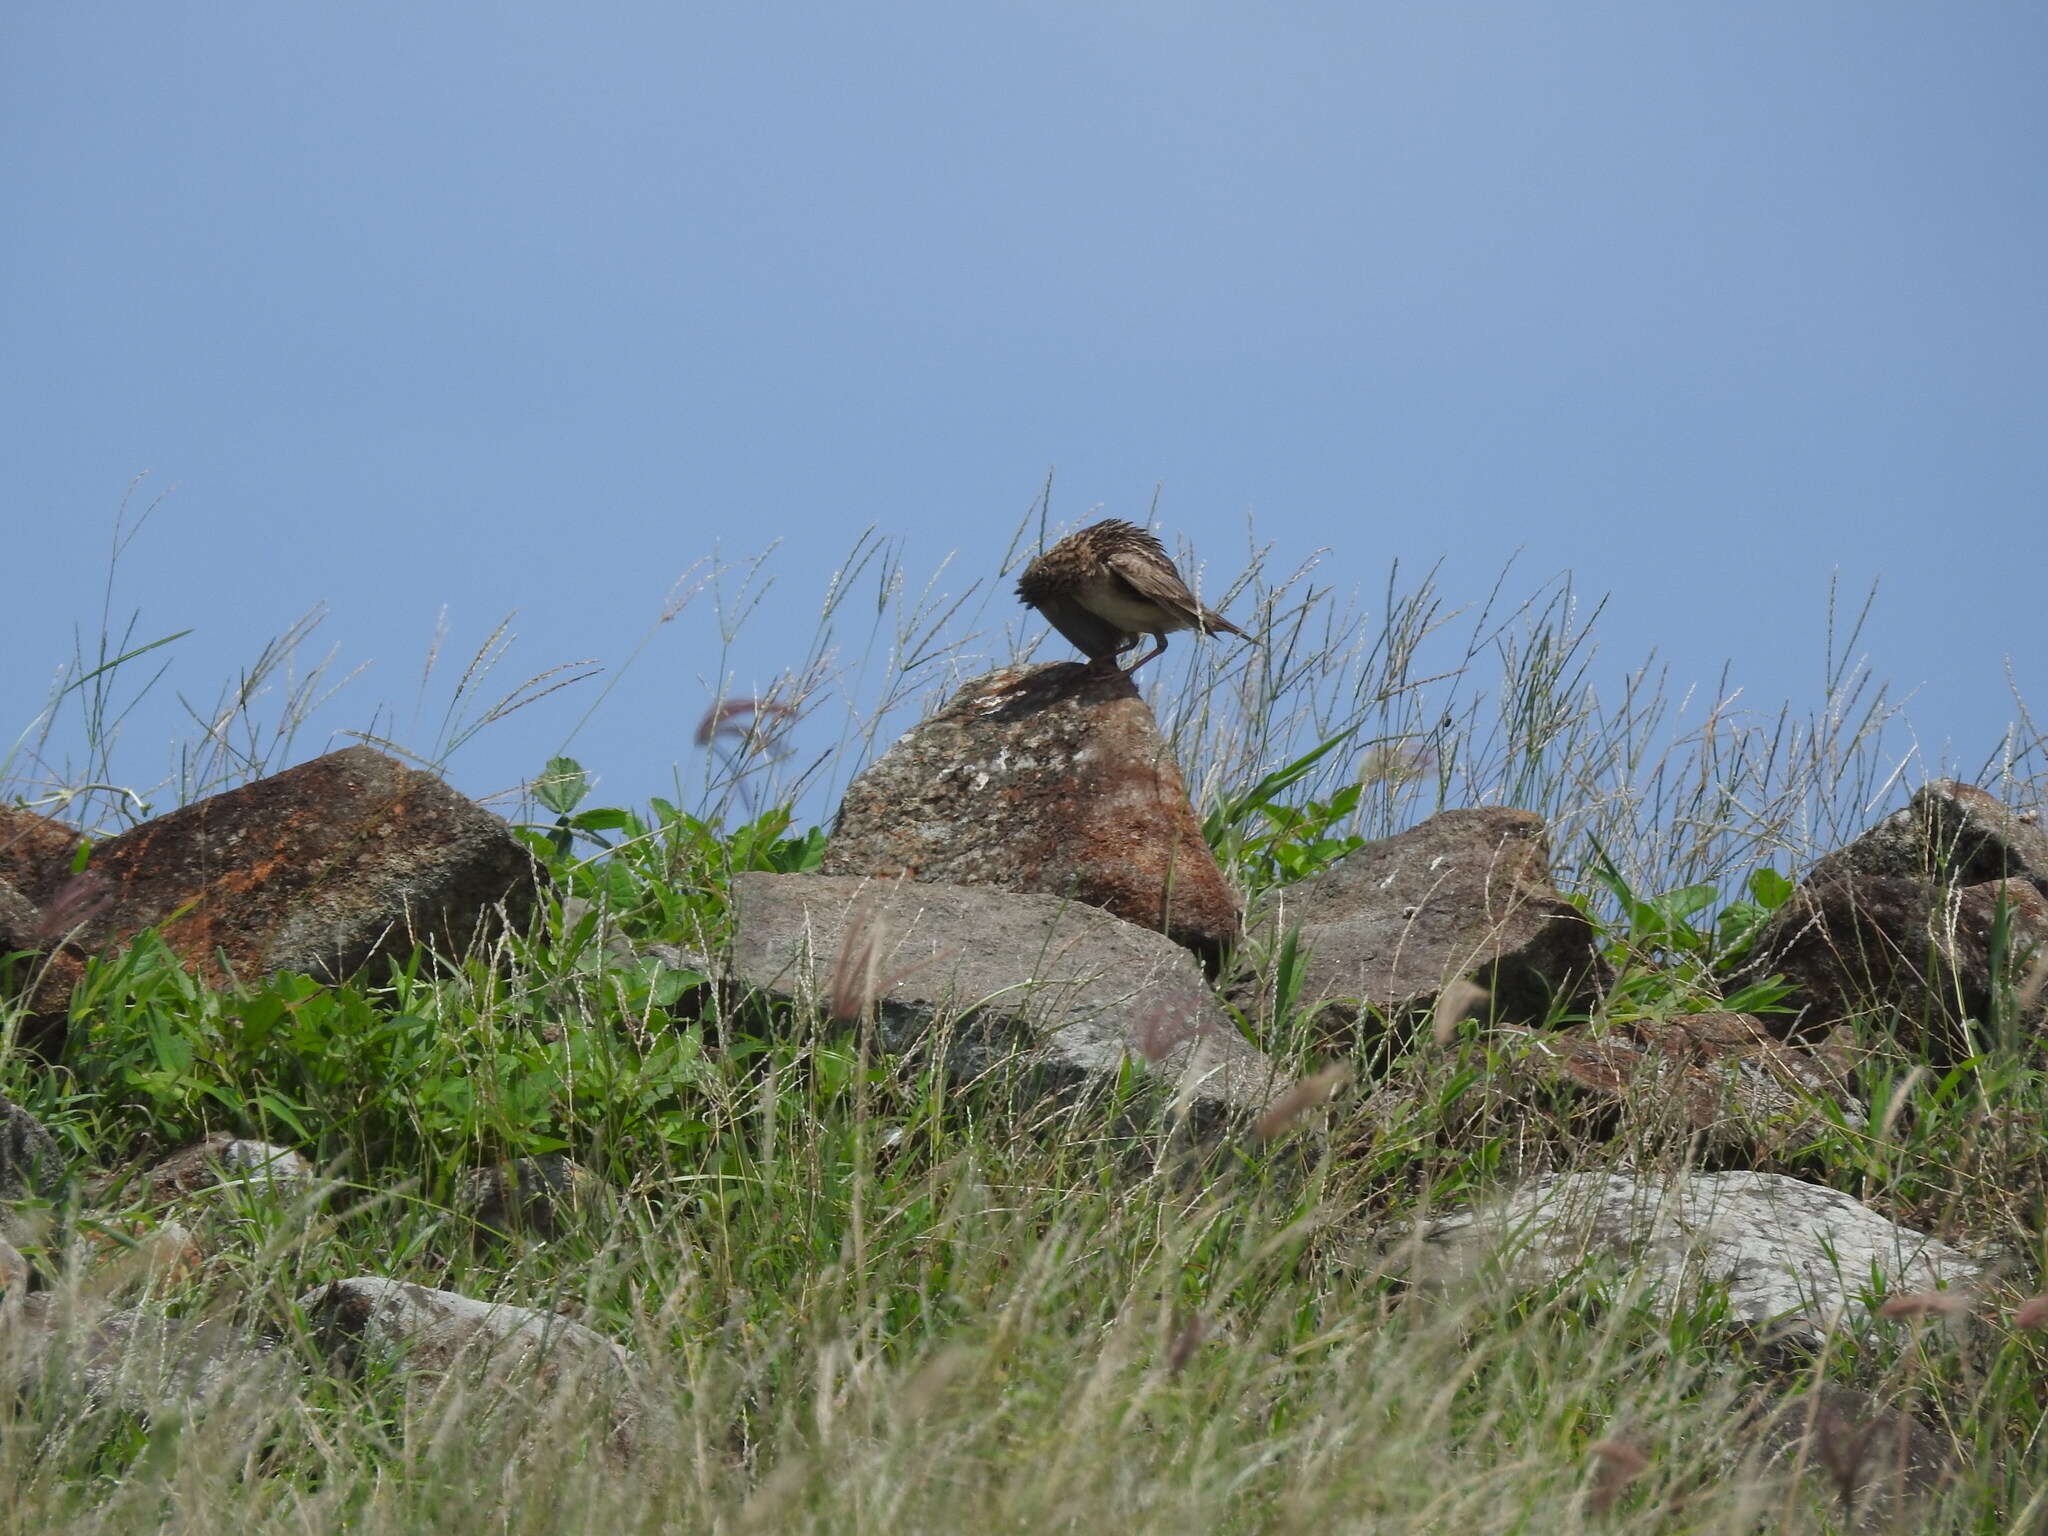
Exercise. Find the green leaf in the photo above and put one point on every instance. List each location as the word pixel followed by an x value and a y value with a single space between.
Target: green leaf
pixel 562 785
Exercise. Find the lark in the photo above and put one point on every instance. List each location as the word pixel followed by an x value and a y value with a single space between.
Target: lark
pixel 1109 583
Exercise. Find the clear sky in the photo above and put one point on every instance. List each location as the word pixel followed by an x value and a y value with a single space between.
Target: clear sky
pixel 533 307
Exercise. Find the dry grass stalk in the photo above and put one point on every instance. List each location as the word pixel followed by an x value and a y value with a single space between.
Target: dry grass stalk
pixel 1617 1464
pixel 1927 1304
pixel 1311 1092
pixel 1457 1002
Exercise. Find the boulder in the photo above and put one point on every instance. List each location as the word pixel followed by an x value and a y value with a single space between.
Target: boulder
pixel 535 1195
pixel 1050 780
pixel 1877 1465
pixel 1059 990
pixel 321 868
pixel 135 1358
pixel 1465 896
pixel 1903 923
pixel 435 1334
pixel 32 1166
pixel 1793 1256
pixel 224 1161
pixel 1718 1080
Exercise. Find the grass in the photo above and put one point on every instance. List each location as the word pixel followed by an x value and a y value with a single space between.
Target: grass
pixel 866 1301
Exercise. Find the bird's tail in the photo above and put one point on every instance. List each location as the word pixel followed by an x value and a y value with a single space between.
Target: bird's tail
pixel 1215 624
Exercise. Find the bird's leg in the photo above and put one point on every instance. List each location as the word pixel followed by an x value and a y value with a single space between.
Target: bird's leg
pixel 1157 650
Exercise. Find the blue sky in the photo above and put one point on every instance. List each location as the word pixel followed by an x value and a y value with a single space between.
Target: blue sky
pixel 526 307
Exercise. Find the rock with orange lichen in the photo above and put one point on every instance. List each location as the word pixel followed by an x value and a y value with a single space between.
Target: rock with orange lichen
pixel 323 868
pixel 1047 780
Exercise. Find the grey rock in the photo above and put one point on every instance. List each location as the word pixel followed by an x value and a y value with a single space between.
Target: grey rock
pixel 1465 896
pixel 431 1330
pixel 1917 954
pixel 226 1161
pixel 1951 833
pixel 535 1195
pixel 132 1357
pixel 1049 780
pixel 1059 991
pixel 32 1166
pixel 1794 1256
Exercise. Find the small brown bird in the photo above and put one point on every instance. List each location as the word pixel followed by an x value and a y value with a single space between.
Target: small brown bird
pixel 1105 585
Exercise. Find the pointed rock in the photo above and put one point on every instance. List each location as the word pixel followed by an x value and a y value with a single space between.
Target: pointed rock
pixel 1465 896
pixel 1928 920
pixel 1043 779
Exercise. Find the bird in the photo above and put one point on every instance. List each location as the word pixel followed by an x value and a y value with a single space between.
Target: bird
pixel 1105 585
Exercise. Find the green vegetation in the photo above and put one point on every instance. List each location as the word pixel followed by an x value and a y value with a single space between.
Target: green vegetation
pixel 867 1301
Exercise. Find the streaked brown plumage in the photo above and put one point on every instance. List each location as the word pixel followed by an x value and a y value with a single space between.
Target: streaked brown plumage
pixel 1107 584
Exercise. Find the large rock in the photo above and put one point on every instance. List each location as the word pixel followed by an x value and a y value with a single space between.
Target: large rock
pixel 1904 922
pixel 133 1357
pixel 36 855
pixel 431 1330
pixel 416 1329
pixel 1715 1086
pixel 1045 779
pixel 32 1166
pixel 1465 896
pixel 321 868
pixel 224 1164
pixel 1065 993
pixel 1876 1464
pixel 1793 1255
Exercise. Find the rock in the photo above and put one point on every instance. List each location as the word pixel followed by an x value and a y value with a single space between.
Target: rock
pixel 1877 1464
pixel 529 1194
pixel 1047 780
pixel 14 1274
pixel 1900 923
pixel 32 1166
pixel 420 1330
pixel 34 848
pixel 134 1358
pixel 1060 990
pixel 1919 953
pixel 1467 895
pixel 224 1160
pixel 1717 1080
pixel 432 1330
pixel 1949 833
pixel 1794 1256
pixel 322 868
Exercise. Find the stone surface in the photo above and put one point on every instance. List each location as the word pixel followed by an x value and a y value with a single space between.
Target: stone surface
pixel 34 848
pixel 1899 923
pixel 1793 1255
pixel 32 1165
pixel 1874 1463
pixel 524 1351
pixel 1952 833
pixel 1062 991
pixel 321 868
pixel 1919 952
pixel 224 1159
pixel 1048 780
pixel 1719 1080
pixel 1467 895
pixel 135 1358
pixel 535 1195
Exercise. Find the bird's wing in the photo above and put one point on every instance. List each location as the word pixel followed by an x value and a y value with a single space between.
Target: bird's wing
pixel 1090 634
pixel 1157 580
